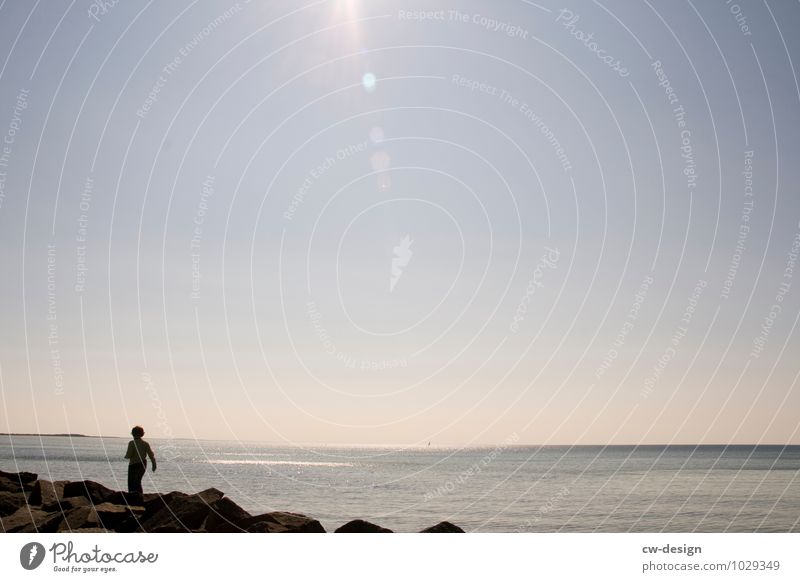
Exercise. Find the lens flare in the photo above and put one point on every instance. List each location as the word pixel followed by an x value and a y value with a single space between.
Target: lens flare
pixel 369 81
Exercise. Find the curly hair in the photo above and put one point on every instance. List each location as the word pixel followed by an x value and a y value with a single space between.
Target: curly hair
pixel 137 432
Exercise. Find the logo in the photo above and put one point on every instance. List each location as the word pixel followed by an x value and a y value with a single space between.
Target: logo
pixel 402 256
pixel 31 555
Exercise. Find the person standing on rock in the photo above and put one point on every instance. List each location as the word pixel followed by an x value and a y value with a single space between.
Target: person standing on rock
pixel 138 451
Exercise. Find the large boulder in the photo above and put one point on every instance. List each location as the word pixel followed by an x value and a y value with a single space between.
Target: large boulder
pixel 93 491
pixel 151 497
pixel 31 520
pixel 443 527
pixel 21 476
pixel 177 511
pixel 68 503
pixel 24 479
pixel 155 502
pixel 107 516
pixel 48 494
pixel 226 517
pixel 112 515
pixel 11 502
pixel 10 486
pixel 78 518
pixel 282 522
pixel 361 526
pixel 267 527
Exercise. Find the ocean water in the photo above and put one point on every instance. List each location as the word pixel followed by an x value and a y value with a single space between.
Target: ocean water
pixel 490 489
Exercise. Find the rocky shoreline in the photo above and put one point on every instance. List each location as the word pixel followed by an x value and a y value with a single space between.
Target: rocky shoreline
pixel 32 505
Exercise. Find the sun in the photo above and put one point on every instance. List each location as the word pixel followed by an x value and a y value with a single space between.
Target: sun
pixel 347 8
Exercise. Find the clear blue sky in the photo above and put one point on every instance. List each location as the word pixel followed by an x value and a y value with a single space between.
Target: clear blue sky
pixel 397 222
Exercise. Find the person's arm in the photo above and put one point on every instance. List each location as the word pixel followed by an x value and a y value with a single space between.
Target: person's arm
pixel 131 449
pixel 152 456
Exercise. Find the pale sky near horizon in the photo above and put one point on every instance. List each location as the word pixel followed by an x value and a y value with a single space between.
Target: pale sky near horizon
pixel 343 222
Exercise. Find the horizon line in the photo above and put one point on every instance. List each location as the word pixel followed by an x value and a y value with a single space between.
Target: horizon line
pixel 406 445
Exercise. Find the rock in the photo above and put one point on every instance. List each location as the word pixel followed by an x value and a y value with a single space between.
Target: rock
pixel 48 494
pixel 361 526
pixel 107 516
pixel 132 524
pixel 177 511
pixel 126 498
pixel 150 497
pixel 80 517
pixel 10 486
pixel 209 495
pixel 184 513
pixel 23 478
pixel 31 520
pixel 31 505
pixel 173 527
pixel 225 517
pixel 282 522
pixel 443 527
pixel 98 493
pixel 266 527
pixel 111 515
pixel 94 492
pixel 11 502
pixel 154 502
pixel 68 503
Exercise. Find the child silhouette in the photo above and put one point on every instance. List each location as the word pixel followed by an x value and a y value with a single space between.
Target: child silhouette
pixel 138 451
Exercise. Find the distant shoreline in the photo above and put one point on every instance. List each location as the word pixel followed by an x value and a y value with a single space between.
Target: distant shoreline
pixel 59 434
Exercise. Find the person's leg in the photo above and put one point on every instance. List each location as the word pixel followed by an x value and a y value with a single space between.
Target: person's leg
pixel 139 476
pixel 135 474
pixel 131 478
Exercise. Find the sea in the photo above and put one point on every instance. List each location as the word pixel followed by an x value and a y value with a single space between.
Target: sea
pixel 504 488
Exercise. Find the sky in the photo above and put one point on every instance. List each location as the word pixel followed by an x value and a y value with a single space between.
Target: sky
pixel 401 222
